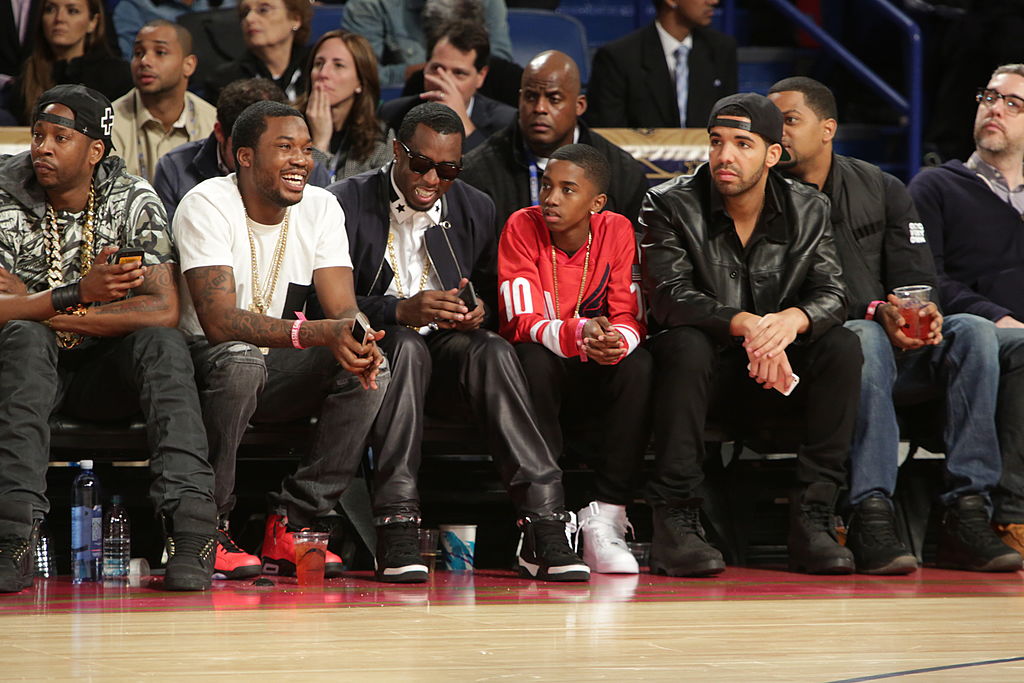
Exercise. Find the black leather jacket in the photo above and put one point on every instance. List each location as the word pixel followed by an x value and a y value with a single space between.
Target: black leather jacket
pixel 695 270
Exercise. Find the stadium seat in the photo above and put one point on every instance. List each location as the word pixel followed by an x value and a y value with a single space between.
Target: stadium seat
pixel 533 31
pixel 216 39
pixel 325 18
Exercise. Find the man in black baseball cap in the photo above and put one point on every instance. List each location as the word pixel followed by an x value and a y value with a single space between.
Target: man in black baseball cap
pixel 101 336
pixel 92 113
pixel 739 263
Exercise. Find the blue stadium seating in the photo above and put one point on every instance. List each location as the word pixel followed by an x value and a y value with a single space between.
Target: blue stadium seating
pixel 533 31
pixel 325 18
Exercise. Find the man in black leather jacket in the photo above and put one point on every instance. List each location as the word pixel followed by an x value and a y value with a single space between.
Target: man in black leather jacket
pixel 743 279
pixel 417 236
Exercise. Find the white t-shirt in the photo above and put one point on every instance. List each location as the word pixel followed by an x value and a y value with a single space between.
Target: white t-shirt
pixel 210 230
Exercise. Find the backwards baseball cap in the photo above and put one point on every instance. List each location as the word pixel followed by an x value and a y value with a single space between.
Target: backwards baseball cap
pixel 94 115
pixel 765 117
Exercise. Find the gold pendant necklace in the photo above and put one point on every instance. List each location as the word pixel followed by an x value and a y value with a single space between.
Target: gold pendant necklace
pixel 398 278
pixel 263 294
pixel 53 244
pixel 583 280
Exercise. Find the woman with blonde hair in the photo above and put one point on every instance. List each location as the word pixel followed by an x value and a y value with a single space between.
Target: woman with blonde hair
pixel 70 46
pixel 340 103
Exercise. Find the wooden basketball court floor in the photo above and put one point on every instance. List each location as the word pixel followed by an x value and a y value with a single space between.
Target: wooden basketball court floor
pixel 744 625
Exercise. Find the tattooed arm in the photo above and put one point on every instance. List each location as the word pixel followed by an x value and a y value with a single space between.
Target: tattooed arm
pixel 154 303
pixel 213 295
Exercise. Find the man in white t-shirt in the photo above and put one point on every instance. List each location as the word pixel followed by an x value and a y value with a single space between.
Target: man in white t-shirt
pixel 254 245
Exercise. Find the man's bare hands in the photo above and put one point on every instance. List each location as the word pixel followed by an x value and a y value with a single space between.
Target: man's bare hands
pixel 109 282
pixel 442 307
pixel 11 283
pixel 601 342
pixel 892 321
pixel 362 360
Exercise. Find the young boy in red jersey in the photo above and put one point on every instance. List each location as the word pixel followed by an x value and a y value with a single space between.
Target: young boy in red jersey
pixel 569 304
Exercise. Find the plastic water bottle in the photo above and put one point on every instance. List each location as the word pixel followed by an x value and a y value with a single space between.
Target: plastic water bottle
pixel 117 544
pixel 86 526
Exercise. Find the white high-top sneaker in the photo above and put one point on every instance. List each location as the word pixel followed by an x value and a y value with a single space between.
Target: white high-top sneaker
pixel 603 527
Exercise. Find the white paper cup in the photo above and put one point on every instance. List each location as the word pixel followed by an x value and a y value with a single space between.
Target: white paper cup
pixel 458 545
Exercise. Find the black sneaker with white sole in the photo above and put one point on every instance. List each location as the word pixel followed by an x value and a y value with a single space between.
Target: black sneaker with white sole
pixel 398 557
pixel 545 553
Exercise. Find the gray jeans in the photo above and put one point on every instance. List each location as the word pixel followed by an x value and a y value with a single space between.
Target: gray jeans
pixel 239 385
pixel 148 371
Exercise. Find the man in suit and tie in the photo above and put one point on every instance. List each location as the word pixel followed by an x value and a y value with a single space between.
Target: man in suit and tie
pixel 455 72
pixel 666 75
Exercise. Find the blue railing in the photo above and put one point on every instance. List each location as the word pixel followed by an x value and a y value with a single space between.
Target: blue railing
pixel 909 104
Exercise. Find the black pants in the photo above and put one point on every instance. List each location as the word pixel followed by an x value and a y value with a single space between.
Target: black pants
pixel 107 379
pixel 696 378
pixel 613 398
pixel 239 385
pixel 471 374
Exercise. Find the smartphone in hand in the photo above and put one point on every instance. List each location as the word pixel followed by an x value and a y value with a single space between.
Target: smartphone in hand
pixel 468 296
pixel 128 255
pixel 361 328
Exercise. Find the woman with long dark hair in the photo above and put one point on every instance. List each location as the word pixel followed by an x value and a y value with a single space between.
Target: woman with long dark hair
pixel 340 103
pixel 70 46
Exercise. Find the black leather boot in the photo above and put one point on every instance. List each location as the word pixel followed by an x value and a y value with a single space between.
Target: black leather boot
pixel 679 546
pixel 813 544
pixel 967 541
pixel 872 537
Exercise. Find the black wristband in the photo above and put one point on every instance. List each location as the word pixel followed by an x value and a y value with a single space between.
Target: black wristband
pixel 66 298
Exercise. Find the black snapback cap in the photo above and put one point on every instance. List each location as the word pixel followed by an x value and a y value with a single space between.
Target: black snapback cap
pixel 765 117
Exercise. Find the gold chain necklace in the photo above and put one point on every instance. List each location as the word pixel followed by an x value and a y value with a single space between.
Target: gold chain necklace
pixel 262 296
pixel 53 244
pixel 583 280
pixel 394 267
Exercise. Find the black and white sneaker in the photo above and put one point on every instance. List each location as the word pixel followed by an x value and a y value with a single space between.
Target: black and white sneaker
pixel 398 557
pixel 545 554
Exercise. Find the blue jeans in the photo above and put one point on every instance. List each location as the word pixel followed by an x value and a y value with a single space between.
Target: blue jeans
pixel 1008 498
pixel 964 367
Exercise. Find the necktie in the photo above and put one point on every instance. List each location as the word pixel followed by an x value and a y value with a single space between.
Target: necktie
pixel 682 81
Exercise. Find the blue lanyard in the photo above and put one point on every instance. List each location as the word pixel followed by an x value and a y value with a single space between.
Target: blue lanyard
pixel 534 177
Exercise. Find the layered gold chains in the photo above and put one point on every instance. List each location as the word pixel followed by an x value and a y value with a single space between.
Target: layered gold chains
pixel 53 241
pixel 583 280
pixel 262 295
pixel 394 268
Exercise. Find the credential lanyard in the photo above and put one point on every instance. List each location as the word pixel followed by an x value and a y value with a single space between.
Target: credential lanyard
pixel 534 179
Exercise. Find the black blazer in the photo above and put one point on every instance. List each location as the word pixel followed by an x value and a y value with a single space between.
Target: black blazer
pixel 12 51
pixel 462 245
pixel 489 116
pixel 631 87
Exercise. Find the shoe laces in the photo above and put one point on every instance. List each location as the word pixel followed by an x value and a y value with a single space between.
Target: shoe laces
pixel 550 541
pixel 197 545
pixel 684 520
pixel 228 543
pixel 820 516
pixel 605 532
pixel 400 539
pixel 879 529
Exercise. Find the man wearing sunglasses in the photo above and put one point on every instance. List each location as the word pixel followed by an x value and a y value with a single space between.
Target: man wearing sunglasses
pixel 972 213
pixel 418 237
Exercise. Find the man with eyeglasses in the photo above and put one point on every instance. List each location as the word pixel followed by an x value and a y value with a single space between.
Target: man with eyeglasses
pixel 421 241
pixel 972 213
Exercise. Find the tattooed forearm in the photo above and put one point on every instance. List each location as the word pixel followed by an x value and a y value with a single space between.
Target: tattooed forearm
pixel 154 303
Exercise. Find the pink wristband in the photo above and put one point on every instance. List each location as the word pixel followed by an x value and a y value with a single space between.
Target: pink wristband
pixel 295 333
pixel 579 339
pixel 872 307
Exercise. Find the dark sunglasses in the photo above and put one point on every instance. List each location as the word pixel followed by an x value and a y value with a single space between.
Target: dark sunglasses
pixel 446 170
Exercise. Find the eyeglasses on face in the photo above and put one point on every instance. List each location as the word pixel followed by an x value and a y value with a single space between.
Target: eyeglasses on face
pixel 1014 105
pixel 446 170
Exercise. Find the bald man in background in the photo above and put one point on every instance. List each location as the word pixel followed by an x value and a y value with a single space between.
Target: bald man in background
pixel 508 166
pixel 159 113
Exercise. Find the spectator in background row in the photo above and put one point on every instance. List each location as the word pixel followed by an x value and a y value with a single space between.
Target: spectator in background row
pixel 454 75
pixel 275 34
pixel 132 15
pixel 397 29
pixel 159 114
pixel 186 166
pixel 70 46
pixel 18 19
pixel 666 75
pixel 509 165
pixel 972 214
pixel 340 104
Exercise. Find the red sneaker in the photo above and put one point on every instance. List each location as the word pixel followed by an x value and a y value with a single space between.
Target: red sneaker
pixel 279 551
pixel 232 562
